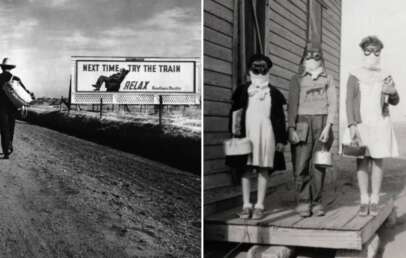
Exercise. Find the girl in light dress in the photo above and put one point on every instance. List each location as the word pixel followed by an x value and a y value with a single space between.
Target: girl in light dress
pixel 370 91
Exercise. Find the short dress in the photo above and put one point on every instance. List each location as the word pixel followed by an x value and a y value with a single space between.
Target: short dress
pixel 376 131
pixel 258 127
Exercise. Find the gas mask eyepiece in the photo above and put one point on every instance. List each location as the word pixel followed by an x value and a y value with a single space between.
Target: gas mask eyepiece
pixel 259 67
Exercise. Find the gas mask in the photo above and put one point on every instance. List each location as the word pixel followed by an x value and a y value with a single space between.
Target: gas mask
pixel 372 62
pixel 259 73
pixel 372 57
pixel 311 65
pixel 312 61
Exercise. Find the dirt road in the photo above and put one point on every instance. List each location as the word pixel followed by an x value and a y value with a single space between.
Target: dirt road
pixel 61 196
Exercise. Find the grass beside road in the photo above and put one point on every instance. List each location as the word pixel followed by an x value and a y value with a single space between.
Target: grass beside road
pixel 169 144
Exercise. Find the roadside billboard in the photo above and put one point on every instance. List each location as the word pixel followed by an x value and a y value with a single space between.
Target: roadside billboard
pixel 129 80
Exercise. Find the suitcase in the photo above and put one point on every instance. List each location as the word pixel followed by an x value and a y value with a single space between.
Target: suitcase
pixel 17 94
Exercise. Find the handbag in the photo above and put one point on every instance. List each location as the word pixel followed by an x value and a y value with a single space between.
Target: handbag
pixel 354 149
pixel 237 151
pixel 16 93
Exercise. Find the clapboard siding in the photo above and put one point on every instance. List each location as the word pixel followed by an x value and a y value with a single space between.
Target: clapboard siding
pixel 285 39
pixel 214 166
pixel 288 6
pixel 219 52
pixel 214 108
pixel 219 10
pixel 226 3
pixel 300 4
pixel 215 138
pixel 218 65
pixel 216 37
pixel 215 124
pixel 277 8
pixel 277 41
pixel 218 72
pixel 217 94
pixel 216 180
pixel 287 34
pixel 214 78
pixel 218 24
pixel 287 54
pixel 331 44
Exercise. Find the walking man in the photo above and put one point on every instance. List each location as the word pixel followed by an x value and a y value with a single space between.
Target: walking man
pixel 8 111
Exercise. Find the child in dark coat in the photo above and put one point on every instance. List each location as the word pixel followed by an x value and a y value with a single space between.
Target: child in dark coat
pixel 262 121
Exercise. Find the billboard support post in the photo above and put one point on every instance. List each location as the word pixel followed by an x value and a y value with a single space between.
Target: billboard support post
pixel 160 108
pixel 101 108
pixel 70 94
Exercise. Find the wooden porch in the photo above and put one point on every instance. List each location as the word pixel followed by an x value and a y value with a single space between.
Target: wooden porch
pixel 340 228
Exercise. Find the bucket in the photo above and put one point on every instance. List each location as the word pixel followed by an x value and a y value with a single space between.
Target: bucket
pixel 323 157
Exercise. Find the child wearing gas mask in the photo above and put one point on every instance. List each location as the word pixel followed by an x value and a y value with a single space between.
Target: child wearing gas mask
pixel 312 107
pixel 263 123
pixel 370 90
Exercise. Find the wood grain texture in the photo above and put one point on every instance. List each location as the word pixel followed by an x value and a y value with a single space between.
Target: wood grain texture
pixel 211 35
pixel 282 226
pixel 218 24
pixel 218 10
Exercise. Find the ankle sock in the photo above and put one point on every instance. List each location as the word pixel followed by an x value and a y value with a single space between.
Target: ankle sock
pixel 374 198
pixel 365 199
pixel 247 205
pixel 259 206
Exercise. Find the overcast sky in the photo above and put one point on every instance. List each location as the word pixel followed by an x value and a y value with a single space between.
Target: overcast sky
pixel 387 20
pixel 40 36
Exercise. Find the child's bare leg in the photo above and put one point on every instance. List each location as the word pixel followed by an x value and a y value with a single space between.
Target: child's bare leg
pixel 377 175
pixel 246 190
pixel 362 176
pixel 262 186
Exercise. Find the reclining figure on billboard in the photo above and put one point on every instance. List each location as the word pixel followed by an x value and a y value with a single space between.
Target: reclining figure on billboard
pixel 112 82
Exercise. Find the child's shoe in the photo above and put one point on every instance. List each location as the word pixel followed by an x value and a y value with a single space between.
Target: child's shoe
pixel 373 209
pixel 303 209
pixel 245 213
pixel 258 214
pixel 363 210
pixel 318 210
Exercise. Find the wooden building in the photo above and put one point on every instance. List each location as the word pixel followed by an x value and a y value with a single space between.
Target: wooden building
pixel 233 31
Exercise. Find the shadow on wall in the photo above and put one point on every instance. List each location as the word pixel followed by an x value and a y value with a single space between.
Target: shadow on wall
pixel 167 144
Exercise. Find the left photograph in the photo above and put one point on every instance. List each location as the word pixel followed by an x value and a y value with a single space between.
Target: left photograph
pixel 100 123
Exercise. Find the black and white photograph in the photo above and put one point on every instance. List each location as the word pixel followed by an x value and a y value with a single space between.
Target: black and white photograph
pixel 100 123
pixel 304 128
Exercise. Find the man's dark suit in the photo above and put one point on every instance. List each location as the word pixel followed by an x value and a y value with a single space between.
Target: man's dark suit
pixel 8 114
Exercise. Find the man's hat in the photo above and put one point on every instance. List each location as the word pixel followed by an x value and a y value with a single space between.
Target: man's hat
pixel 6 64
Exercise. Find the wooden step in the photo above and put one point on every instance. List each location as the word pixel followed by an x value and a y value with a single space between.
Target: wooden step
pixel 340 228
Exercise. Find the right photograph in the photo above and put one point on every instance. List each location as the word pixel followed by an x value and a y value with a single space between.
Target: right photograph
pixel 304 125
